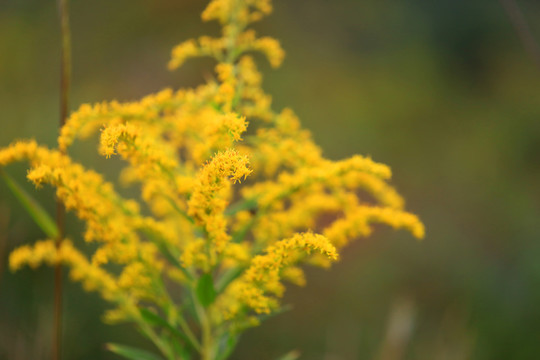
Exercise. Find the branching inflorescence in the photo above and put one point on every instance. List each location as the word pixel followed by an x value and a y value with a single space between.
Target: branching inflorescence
pixel 223 218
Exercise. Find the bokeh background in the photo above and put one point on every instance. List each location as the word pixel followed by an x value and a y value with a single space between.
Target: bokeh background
pixel 442 91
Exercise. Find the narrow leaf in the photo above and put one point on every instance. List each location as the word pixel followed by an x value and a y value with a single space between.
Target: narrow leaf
pixel 206 293
pixel 132 353
pixel 36 211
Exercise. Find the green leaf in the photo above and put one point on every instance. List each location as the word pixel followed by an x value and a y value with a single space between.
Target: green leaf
pixel 206 294
pixel 155 320
pixel 291 355
pixel 36 211
pixel 132 353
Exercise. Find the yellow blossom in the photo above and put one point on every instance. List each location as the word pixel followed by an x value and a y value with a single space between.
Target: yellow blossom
pixel 261 279
pixel 209 198
pixel 228 243
pixel 271 48
pixel 357 223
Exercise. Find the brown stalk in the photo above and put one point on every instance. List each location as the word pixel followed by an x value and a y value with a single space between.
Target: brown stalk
pixel 65 81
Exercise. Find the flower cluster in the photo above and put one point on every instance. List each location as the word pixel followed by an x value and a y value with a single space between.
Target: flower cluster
pixel 223 217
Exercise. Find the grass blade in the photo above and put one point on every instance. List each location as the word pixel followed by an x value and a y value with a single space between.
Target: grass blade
pixel 36 211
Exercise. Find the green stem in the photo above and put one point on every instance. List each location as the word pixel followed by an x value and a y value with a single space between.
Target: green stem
pixel 207 341
pixel 186 329
pixel 180 319
pixel 157 340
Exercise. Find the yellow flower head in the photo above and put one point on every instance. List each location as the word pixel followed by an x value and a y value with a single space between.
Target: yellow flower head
pixel 230 197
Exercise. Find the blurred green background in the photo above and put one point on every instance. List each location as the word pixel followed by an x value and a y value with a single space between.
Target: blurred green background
pixel 442 91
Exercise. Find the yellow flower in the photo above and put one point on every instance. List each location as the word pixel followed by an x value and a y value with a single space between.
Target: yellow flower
pixel 211 193
pixel 357 223
pixel 229 245
pixel 262 279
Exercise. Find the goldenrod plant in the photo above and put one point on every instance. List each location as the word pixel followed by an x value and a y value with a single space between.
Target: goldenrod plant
pixel 231 197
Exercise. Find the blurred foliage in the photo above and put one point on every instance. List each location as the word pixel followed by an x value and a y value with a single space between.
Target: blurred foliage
pixel 442 91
